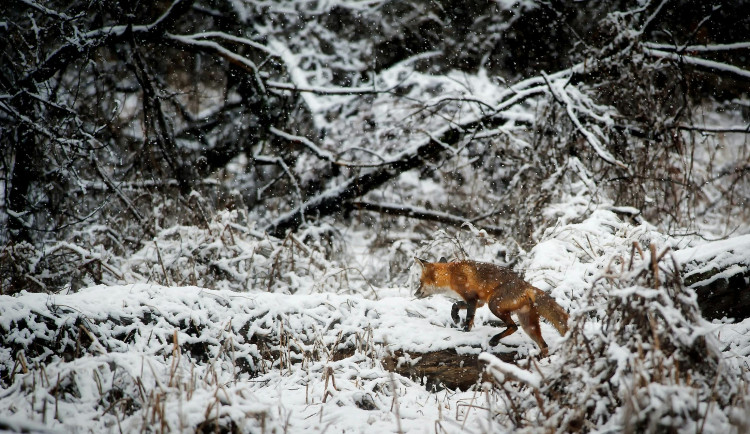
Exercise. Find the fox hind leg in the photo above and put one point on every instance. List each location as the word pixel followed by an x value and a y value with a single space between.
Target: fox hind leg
pixel 529 319
pixel 510 327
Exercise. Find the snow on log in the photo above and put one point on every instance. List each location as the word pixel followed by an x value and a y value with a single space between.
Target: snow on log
pixel 247 333
pixel 719 272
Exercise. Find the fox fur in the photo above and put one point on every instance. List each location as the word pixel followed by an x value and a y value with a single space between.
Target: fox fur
pixel 502 289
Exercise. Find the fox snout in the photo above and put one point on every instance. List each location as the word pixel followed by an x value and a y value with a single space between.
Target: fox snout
pixel 419 293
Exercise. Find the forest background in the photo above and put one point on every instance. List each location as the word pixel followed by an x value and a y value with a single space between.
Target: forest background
pixel 299 154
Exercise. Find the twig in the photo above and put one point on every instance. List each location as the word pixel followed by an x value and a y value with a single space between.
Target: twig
pixel 163 269
pixel 320 153
pixel 394 404
pixel 711 65
pixel 654 264
pixel 468 410
pixel 564 100
pixel 632 253
pixel 284 167
pixel 710 404
pixel 111 185
pixel 421 214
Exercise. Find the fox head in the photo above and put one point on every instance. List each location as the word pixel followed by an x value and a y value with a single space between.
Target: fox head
pixel 434 279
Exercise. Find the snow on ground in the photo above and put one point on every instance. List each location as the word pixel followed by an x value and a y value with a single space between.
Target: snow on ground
pixel 136 356
pixel 261 361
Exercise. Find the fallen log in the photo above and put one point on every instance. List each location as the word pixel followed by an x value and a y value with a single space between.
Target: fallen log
pixel 437 370
pixel 719 272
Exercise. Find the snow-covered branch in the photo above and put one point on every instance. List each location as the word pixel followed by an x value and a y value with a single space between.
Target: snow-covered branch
pixel 96 38
pixel 332 200
pixel 422 214
pixel 315 149
pixel 325 90
pixel 711 65
pixel 731 129
pixel 227 54
pixel 708 48
pixel 560 93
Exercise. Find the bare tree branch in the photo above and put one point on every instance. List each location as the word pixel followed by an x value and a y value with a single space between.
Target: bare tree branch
pixel 738 129
pixel 710 65
pixel 315 149
pixel 421 214
pixel 709 48
pixel 91 40
pixel 562 97
pixel 111 185
pixel 332 200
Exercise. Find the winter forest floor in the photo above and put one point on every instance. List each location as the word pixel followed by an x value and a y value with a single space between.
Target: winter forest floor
pixel 331 354
pixel 210 213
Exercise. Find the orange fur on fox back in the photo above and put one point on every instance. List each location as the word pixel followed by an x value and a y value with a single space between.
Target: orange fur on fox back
pixel 473 280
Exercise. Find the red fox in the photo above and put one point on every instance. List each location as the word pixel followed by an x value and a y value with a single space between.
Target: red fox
pixel 501 288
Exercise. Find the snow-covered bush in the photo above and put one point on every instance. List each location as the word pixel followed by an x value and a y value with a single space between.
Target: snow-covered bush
pixel 639 357
pixel 209 212
pixel 224 252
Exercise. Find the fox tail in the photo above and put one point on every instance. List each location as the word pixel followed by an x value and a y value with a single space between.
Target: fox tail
pixel 551 311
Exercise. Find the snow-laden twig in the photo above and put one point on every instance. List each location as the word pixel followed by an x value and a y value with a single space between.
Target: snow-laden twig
pixel 711 65
pixel 46 10
pixel 229 55
pixel 708 48
pixel 503 370
pixel 320 153
pixel 560 94
pixel 653 15
pixel 231 38
pixel 738 129
pixel 85 254
pixel 325 90
pixel 99 37
pixel 422 214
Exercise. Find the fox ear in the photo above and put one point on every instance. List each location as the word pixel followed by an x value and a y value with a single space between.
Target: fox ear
pixel 420 262
pixel 442 259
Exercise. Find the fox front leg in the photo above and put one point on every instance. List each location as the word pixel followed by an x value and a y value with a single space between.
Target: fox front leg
pixel 471 308
pixel 454 310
